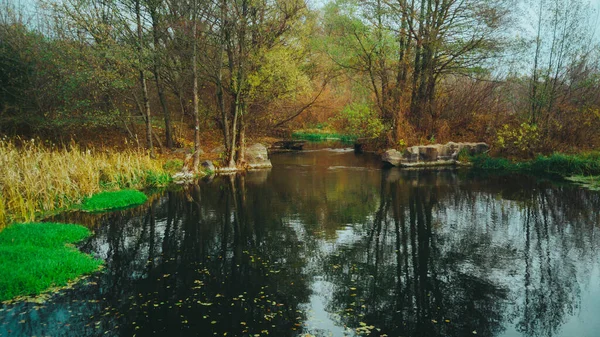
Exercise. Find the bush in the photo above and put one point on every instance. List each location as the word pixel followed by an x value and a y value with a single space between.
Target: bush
pixel 520 141
pixel 361 121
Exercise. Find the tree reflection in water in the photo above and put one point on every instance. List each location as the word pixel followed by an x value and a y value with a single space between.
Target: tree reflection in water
pixel 337 248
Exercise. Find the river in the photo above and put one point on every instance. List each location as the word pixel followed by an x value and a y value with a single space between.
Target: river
pixel 328 243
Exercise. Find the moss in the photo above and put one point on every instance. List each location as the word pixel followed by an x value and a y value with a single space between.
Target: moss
pixel 104 201
pixel 35 257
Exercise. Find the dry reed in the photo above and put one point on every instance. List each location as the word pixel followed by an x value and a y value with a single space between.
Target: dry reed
pixel 37 179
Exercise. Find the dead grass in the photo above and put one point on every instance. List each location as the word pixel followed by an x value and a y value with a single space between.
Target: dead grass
pixel 37 179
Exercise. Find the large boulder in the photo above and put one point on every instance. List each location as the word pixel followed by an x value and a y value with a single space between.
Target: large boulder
pixel 257 157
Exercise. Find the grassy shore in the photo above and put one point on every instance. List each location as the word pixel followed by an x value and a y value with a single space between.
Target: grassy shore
pixel 582 168
pixel 37 256
pixel 36 179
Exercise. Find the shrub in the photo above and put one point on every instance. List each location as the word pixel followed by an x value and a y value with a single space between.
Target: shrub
pixel 361 121
pixel 521 141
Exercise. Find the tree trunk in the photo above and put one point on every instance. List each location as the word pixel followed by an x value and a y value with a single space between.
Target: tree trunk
pixel 220 98
pixel 242 148
pixel 195 95
pixel 145 99
pixel 157 79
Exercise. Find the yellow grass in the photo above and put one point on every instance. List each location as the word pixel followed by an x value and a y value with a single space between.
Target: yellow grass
pixel 35 179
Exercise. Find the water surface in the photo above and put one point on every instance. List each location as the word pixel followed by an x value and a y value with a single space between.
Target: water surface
pixel 329 244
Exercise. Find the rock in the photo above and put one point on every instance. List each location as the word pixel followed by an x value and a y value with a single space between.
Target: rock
pixel 392 157
pixel 208 166
pixel 432 155
pixel 429 152
pixel 183 177
pixel 257 157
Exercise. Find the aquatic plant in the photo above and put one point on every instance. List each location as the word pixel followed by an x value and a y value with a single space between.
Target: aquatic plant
pixel 37 179
pixel 113 200
pixel 37 256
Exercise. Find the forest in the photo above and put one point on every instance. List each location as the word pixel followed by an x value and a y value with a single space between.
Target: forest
pixel 521 75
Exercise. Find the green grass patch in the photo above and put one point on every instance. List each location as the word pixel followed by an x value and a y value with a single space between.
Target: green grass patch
pixel 316 135
pixel 104 201
pixel 36 256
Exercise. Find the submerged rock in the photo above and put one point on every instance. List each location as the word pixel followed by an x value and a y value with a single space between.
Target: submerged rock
pixel 432 155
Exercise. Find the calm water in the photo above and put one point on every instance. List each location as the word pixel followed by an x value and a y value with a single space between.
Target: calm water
pixel 328 244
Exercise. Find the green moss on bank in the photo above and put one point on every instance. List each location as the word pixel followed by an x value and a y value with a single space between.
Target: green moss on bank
pixel 104 201
pixel 36 256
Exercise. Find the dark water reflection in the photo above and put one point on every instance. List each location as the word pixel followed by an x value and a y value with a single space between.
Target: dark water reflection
pixel 327 244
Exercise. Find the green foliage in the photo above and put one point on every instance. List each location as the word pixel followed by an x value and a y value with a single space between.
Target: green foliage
pixel 523 140
pixel 279 75
pixel 401 146
pixel 113 200
pixel 361 121
pixel 35 257
pixel 157 179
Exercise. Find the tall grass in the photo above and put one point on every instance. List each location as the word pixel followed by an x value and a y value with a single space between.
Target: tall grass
pixel 36 179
